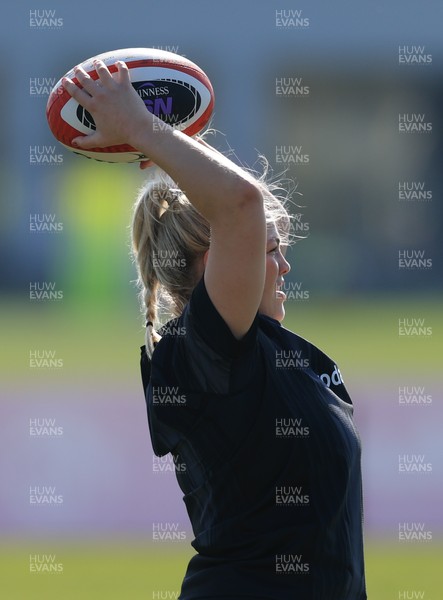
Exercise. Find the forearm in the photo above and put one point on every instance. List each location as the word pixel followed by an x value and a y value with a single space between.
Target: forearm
pixel 212 182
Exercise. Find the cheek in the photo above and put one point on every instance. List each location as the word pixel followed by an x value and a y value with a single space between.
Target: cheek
pixel 271 271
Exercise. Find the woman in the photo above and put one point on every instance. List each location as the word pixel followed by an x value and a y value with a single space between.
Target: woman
pixel 258 418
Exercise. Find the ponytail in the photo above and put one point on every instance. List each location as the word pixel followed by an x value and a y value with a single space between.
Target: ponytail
pixel 168 237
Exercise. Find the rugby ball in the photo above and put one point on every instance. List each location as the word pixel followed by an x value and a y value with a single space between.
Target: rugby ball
pixel 172 87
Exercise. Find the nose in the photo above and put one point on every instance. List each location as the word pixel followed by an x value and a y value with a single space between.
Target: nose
pixel 284 266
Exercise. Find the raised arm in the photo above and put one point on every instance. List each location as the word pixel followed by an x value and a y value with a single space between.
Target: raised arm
pixel 227 196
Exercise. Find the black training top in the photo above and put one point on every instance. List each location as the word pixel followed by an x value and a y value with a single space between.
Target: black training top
pixel 269 458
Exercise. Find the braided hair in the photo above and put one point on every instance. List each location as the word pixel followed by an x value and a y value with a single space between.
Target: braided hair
pixel 169 236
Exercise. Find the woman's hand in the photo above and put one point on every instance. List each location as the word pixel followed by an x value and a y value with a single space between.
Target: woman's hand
pixel 119 113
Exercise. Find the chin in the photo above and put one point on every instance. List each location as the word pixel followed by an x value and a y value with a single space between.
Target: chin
pixel 280 316
pixel 274 310
pixel 278 313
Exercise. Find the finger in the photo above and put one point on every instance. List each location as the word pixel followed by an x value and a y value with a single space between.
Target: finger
pixel 123 72
pixel 103 72
pixel 85 142
pixel 86 80
pixel 145 164
pixel 76 92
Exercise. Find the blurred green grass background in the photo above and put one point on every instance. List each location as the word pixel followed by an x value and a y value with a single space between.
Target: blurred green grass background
pixel 361 335
pixel 132 571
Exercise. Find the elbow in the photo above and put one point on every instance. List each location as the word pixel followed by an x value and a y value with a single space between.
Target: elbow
pixel 239 205
pixel 249 197
pixel 249 212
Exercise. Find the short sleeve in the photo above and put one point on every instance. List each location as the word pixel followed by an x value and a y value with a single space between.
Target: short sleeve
pixel 197 366
pixel 204 320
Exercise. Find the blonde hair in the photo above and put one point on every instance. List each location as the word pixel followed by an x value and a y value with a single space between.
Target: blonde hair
pixel 169 239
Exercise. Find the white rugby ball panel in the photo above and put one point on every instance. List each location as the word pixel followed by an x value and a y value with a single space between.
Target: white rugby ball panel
pixel 172 87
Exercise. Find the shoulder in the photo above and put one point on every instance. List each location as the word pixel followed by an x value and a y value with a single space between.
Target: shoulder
pixel 198 350
pixel 201 325
pixel 291 352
